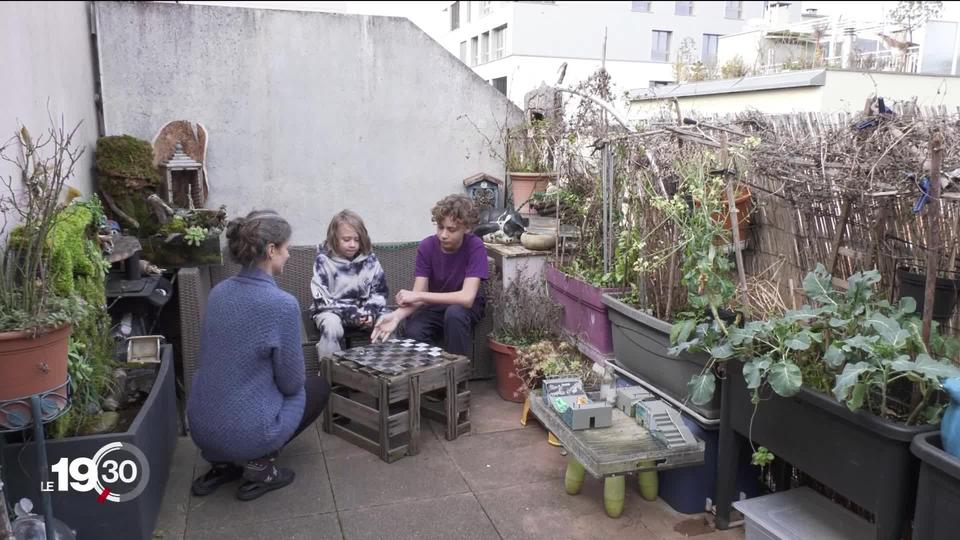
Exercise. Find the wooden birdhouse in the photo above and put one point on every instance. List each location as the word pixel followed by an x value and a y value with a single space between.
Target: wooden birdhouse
pixel 184 180
pixel 484 190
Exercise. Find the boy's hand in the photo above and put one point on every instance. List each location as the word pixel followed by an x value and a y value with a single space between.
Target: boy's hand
pixel 407 298
pixel 384 327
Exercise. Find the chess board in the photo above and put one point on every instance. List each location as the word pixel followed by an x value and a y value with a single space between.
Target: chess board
pixel 393 357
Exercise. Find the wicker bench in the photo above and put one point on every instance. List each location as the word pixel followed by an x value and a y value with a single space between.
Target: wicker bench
pixel 194 286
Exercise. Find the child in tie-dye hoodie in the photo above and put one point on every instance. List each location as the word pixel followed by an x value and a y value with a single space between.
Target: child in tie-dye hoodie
pixel 349 286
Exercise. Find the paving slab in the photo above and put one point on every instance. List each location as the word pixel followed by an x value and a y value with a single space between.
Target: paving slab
pixel 309 494
pixel 506 458
pixel 172 519
pixel 363 479
pixel 454 516
pixel 489 412
pixel 325 526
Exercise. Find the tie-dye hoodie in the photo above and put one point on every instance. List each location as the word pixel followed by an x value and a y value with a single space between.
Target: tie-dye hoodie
pixel 351 289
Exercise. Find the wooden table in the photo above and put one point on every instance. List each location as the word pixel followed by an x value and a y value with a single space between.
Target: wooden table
pixel 381 412
pixel 611 452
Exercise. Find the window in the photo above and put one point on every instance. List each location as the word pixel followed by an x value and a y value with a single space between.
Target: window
pixel 484 8
pixel 642 7
pixel 660 51
pixel 454 16
pixel 500 83
pixel 499 41
pixel 684 8
pixel 657 84
pixel 463 52
pixel 466 10
pixel 484 47
pixel 708 53
pixel 734 10
pixel 474 51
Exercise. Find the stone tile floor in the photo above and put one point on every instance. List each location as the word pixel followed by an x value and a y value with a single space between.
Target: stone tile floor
pixel 501 481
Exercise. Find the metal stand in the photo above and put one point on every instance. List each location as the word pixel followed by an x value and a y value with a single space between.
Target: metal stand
pixel 37 420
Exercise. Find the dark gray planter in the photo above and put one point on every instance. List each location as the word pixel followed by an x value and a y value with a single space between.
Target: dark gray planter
pixel 857 454
pixel 153 431
pixel 938 494
pixel 640 344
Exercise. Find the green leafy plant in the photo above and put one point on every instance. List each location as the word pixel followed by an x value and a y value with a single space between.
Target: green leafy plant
pixel 195 236
pixel 90 380
pixel 865 351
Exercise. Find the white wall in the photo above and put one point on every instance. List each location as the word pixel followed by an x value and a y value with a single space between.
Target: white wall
pixel 575 29
pixel 843 91
pixel 47 64
pixel 847 90
pixel 780 101
pixel 308 113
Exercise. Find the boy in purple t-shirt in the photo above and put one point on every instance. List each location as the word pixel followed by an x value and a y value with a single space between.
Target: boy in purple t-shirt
pixel 445 301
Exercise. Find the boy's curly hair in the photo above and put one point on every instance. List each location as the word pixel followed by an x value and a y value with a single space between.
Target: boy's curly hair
pixel 458 207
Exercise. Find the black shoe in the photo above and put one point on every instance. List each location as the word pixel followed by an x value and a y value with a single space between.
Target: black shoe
pixel 218 475
pixel 252 490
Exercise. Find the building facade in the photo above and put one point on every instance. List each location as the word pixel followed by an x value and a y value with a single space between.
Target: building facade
pixel 516 46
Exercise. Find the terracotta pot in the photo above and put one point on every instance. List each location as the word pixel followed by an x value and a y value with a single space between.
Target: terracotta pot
pixel 743 199
pixel 33 365
pixel 509 383
pixel 523 185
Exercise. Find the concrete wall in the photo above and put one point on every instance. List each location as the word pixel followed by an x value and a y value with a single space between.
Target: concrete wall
pixel 47 65
pixel 308 113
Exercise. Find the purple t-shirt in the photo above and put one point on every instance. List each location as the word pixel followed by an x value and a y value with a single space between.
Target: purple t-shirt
pixel 446 271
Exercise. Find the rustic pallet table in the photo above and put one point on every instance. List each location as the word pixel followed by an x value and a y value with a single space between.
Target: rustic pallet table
pixel 611 452
pixel 381 412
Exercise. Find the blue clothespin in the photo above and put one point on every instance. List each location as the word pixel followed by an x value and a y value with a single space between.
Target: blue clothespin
pixel 924 195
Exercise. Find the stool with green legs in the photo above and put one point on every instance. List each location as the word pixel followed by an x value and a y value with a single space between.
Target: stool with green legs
pixel 609 453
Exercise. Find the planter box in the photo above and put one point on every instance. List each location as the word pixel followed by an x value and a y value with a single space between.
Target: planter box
pixel 938 493
pixel 860 456
pixel 177 253
pixel 640 343
pixel 584 314
pixel 944 297
pixel 153 431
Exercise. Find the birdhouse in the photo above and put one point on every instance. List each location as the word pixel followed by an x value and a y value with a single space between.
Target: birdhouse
pixel 184 180
pixel 484 190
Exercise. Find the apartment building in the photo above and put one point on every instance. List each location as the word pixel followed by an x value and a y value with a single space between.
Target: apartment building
pixel 517 45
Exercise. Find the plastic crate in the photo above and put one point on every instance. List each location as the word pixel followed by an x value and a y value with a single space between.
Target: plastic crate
pixel 801 514
pixel 687 489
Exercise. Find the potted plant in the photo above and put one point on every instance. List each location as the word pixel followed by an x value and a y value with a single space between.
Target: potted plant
pixel 35 323
pixel 53 277
pixel 845 384
pixel 529 162
pixel 523 316
pixel 677 271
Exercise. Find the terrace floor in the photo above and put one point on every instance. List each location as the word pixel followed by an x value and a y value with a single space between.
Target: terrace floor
pixel 501 481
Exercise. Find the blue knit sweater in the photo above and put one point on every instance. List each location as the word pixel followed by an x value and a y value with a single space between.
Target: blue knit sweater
pixel 247 397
